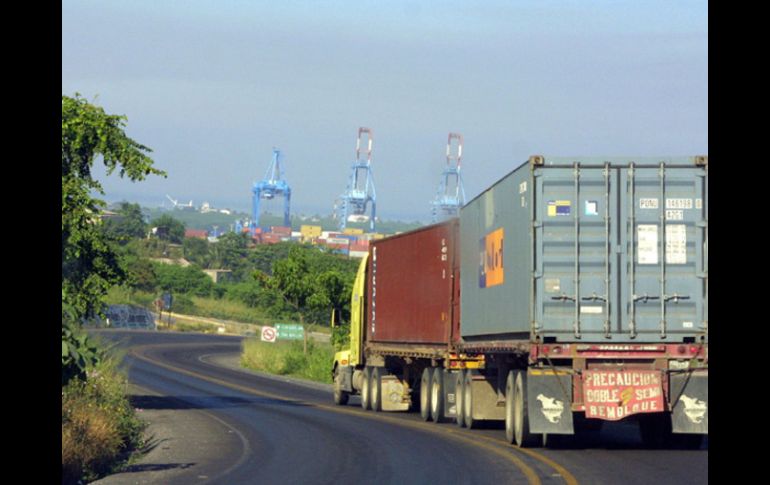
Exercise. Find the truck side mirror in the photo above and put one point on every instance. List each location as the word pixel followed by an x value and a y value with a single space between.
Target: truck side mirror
pixel 335 318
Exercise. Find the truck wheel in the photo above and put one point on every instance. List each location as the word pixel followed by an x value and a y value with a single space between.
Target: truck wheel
pixel 376 389
pixel 510 396
pixel 425 385
pixel 468 400
pixel 365 388
pixel 655 430
pixel 521 434
pixel 459 398
pixel 437 396
pixel 340 396
pixel 687 441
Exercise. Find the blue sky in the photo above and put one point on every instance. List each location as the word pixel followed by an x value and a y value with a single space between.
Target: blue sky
pixel 213 86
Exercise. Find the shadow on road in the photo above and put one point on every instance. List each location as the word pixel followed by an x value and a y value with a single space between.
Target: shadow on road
pixel 202 402
pixel 154 467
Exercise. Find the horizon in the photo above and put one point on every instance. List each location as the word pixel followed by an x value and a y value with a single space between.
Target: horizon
pixel 213 87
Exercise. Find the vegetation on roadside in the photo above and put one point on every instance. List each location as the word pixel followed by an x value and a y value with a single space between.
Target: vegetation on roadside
pixel 288 358
pixel 99 428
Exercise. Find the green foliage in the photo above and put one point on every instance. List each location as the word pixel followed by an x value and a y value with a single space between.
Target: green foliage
pixel 99 425
pixel 197 251
pixel 141 273
pixel 168 229
pixel 289 358
pixel 231 252
pixel 178 279
pixel 78 352
pixel 89 265
pixel 128 225
pixel 183 304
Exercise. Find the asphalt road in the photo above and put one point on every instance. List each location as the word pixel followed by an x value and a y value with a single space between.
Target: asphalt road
pixel 231 426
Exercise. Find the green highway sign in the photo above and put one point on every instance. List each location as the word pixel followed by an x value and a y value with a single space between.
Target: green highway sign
pixel 287 331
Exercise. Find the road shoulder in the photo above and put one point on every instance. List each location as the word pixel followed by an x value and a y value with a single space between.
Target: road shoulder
pixel 185 445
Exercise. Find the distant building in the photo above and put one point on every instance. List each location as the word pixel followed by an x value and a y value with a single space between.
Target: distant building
pixel 219 275
pixel 197 233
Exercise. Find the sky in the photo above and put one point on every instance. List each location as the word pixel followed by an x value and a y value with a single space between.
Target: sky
pixel 213 86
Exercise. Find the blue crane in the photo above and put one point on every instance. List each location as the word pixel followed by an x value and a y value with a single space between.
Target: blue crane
pixel 273 185
pixel 360 191
pixel 450 195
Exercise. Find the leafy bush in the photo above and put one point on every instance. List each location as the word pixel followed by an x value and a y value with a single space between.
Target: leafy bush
pixel 178 279
pixel 78 351
pixel 99 426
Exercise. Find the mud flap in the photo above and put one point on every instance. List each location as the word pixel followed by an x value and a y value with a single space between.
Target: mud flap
pixel 689 400
pixel 549 398
pixel 394 395
pixel 487 402
pixel 347 377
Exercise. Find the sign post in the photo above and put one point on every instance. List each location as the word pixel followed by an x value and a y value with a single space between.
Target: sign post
pixel 168 299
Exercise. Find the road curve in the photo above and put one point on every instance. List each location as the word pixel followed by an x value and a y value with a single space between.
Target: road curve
pixel 285 432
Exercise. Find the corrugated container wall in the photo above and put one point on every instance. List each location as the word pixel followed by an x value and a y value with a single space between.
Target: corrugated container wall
pixel 591 250
pixel 412 290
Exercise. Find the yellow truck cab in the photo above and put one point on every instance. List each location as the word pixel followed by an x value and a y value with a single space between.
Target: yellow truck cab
pixel 349 362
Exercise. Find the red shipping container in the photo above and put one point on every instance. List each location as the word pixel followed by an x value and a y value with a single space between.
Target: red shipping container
pixel 281 230
pixel 413 286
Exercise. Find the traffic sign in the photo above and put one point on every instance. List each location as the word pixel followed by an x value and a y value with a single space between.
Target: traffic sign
pixel 269 334
pixel 288 331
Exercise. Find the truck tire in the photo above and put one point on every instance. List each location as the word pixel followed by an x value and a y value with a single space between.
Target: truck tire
pixel 365 388
pixel 376 389
pixel 340 397
pixel 468 400
pixel 460 398
pixel 425 385
pixel 685 441
pixel 655 430
pixel 522 437
pixel 510 394
pixel 437 396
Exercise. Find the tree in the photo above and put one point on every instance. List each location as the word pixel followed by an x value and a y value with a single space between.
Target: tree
pixel 129 225
pixel 231 252
pixel 89 265
pixel 197 251
pixel 169 229
pixel 178 279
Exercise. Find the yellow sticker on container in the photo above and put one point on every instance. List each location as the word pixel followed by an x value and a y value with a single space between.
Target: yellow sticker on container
pixel 558 208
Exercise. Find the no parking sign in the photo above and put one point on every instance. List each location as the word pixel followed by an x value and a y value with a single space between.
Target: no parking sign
pixel 269 334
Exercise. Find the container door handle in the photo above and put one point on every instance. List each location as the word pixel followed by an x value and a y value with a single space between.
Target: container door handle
pixel 645 297
pixel 675 297
pixel 563 298
pixel 594 297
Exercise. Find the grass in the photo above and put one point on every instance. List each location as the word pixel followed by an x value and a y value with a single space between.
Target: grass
pixel 100 429
pixel 287 358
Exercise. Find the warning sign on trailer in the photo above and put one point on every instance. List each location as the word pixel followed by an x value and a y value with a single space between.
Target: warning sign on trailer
pixel 613 395
pixel 269 334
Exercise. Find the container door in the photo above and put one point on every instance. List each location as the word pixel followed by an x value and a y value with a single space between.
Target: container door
pixel 575 245
pixel 665 231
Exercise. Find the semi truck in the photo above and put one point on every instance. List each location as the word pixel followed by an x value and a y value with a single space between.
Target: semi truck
pixel 405 325
pixel 583 298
